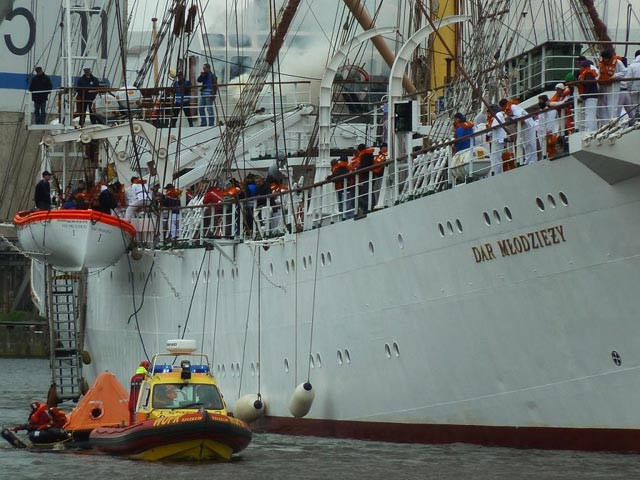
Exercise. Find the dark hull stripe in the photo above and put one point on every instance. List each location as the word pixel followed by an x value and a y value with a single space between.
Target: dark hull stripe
pixel 589 439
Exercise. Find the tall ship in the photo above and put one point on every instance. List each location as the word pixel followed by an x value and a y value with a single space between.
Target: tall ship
pixel 472 289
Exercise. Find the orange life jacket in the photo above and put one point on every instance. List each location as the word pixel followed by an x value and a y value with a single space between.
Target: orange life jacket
pixel 174 193
pixel 379 163
pixel 608 70
pixel 58 417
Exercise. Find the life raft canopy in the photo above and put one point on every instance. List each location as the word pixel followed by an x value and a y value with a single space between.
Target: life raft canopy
pixel 181 346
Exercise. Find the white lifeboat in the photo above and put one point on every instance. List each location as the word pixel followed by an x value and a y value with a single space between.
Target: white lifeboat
pixel 73 239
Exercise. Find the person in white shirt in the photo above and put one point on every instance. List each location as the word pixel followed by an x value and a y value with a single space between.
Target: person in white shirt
pixel 498 136
pixel 633 87
pixel 527 129
pixel 137 195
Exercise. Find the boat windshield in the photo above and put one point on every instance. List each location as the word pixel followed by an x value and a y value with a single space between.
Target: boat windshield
pixel 191 395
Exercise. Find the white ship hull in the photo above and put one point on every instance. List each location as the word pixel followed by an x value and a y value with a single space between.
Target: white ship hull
pixel 520 333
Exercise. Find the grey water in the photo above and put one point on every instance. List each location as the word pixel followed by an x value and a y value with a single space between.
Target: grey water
pixel 288 457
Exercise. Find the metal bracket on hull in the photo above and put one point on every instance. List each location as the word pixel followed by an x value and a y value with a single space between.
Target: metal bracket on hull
pixel 613 161
pixel 216 245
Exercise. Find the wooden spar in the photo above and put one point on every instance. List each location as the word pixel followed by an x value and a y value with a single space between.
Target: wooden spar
pixel 154 38
pixel 599 28
pixel 359 11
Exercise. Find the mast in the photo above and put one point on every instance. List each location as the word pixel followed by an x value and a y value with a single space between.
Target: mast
pixel 154 39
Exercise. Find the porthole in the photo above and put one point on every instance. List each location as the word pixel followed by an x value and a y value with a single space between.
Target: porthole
pixel 396 349
pixel 304 263
pixel 309 261
pixel 450 228
pixel 312 361
pixel 233 370
pixel 487 219
pixel 322 259
pixel 459 225
pixel 257 366
pixel 339 357
pixel 233 274
pixel 318 360
pixel 224 373
pixel 328 258
pixel 271 269
pixel 253 369
pixel 507 212
pixel 293 264
pixel 286 266
pixel 286 365
pixel 441 229
pixel 237 272
pixel 222 274
pixel 193 277
pixel 371 249
pixel 496 215
pixel 551 200
pixel 563 199
pixel 400 241
pixel 218 368
pixel 347 355
pixel 387 350
pixel 540 204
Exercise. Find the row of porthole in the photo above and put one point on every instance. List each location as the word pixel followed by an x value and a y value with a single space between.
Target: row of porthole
pixel 450 227
pixel 343 356
pixel 496 216
pixel 552 201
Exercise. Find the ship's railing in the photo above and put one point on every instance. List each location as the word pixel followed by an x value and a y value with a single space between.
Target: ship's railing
pixel 535 137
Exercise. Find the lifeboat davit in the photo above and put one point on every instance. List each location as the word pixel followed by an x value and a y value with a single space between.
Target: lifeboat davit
pixel 192 436
pixel 73 239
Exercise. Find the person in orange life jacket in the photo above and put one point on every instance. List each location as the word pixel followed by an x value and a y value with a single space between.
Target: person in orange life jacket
pixel 231 192
pixel 213 216
pixel 559 98
pixel 588 97
pixel 527 134
pixel 134 392
pixel 462 128
pixel 362 160
pixel 611 69
pixel 39 418
pixel 339 167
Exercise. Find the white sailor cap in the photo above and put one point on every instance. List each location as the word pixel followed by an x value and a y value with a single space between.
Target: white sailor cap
pixel 559 86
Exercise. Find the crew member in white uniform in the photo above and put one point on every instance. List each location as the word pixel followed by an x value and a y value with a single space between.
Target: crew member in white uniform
pixel 137 194
pixel 498 137
pixel 527 134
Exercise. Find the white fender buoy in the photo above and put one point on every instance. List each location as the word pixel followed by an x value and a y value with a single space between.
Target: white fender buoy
pixel 301 400
pixel 249 407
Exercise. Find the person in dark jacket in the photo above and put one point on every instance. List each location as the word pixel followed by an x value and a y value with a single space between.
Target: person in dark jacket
pixel 86 86
pixel 181 99
pixel 40 86
pixel 107 200
pixel 208 93
pixel 42 196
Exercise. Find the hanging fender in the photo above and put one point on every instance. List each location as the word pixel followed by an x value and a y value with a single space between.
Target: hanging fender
pixel 301 400
pixel 249 407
